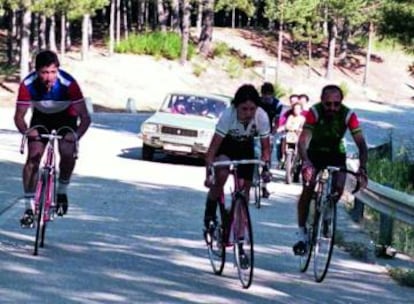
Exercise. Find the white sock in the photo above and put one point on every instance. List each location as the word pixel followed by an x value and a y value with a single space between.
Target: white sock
pixel 29 200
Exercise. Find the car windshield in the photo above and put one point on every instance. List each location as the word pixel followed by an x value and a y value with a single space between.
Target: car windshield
pixel 182 104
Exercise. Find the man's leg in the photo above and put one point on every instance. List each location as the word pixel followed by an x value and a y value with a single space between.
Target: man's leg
pixel 66 166
pixel 303 210
pixel 214 193
pixel 30 173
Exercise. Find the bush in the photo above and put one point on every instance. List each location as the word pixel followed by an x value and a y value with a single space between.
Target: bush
pixel 403 276
pixel 221 49
pixel 233 68
pixel 158 44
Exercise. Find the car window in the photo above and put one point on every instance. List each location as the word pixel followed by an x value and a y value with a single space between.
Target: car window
pixel 194 105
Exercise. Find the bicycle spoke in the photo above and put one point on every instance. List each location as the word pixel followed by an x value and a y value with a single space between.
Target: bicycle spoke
pixel 215 244
pixel 243 245
pixel 324 240
pixel 304 260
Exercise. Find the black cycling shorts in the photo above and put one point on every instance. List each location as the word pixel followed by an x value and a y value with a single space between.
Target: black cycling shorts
pixel 322 159
pixel 236 150
pixel 53 121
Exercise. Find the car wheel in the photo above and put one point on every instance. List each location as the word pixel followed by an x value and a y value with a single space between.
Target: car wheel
pixel 147 152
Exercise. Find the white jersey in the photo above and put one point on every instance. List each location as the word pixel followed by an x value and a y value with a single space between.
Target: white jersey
pixel 230 126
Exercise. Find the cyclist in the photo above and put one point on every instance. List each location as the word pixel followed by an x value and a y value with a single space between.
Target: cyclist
pixel 304 100
pixel 293 99
pixel 272 107
pixel 233 140
pixel 294 123
pixel 321 145
pixel 56 100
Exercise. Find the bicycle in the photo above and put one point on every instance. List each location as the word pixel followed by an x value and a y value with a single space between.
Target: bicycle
pixel 45 194
pixel 321 223
pixel 233 228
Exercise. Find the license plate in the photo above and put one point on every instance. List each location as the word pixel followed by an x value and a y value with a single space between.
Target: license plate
pixel 177 148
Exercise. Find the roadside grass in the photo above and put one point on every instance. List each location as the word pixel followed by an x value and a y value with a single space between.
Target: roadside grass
pixel 397 174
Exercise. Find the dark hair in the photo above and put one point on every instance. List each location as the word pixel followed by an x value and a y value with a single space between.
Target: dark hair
pixel 244 93
pixel 46 58
pixel 331 88
pixel 293 96
pixel 304 96
pixel 267 88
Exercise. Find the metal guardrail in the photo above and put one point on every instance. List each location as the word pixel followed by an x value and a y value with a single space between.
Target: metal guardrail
pixel 391 202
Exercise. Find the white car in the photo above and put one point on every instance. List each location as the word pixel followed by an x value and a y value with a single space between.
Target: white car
pixel 184 124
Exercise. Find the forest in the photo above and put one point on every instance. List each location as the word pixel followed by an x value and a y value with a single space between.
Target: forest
pixel 341 25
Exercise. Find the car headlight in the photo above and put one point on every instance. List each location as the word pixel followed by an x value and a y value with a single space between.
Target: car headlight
pixel 206 134
pixel 149 128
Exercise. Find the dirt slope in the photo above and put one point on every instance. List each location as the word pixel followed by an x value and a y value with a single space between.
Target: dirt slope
pixel 110 81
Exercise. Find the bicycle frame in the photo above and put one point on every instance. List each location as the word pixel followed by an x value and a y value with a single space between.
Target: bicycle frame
pixel 321 229
pixel 235 232
pixel 45 194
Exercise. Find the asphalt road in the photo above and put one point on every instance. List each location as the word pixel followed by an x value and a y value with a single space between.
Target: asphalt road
pixel 133 235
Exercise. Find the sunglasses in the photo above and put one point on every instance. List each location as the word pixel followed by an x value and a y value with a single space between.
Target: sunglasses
pixel 334 104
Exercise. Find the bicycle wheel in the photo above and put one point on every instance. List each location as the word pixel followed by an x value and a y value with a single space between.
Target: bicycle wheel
pixel 216 246
pixel 41 224
pixel 242 235
pixel 257 184
pixel 305 259
pixel 325 237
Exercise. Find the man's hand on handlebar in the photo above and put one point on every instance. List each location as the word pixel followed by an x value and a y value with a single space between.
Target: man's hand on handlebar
pixel 362 176
pixel 307 171
pixel 209 181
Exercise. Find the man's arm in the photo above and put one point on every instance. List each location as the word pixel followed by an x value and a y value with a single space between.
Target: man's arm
pixel 19 121
pixel 362 149
pixel 265 144
pixel 303 144
pixel 85 119
pixel 213 148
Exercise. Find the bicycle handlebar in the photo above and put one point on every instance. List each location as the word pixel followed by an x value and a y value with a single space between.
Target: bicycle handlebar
pixel 54 134
pixel 233 163
pixel 345 170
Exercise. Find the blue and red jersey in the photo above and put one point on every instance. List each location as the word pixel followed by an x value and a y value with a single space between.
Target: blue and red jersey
pixel 64 93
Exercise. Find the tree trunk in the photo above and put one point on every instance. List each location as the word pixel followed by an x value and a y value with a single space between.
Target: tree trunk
pixel 42 32
pixel 34 32
pixel 68 36
pixel 162 15
pixel 85 34
pixel 186 7
pixel 25 43
pixel 11 35
pixel 206 35
pixel 369 51
pixel 52 34
pixel 118 21
pixel 175 16
pixel 62 34
pixel 199 16
pixel 344 41
pixel 233 17
pixel 331 48
pixel 280 44
pixel 140 14
pixel 309 56
pixel 125 18
pixel 111 28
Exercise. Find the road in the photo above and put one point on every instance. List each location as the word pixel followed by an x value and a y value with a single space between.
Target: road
pixel 133 235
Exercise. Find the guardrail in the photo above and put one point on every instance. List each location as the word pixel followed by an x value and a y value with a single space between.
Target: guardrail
pixel 390 203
